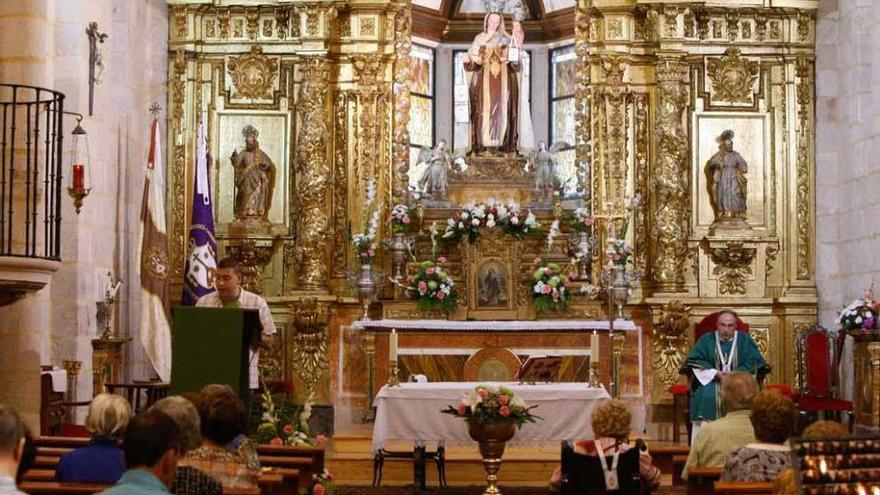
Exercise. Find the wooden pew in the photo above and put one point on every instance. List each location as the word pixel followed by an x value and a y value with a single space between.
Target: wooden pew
pixel 663 455
pixel 678 463
pixel 701 479
pixel 745 487
pixel 60 442
pixel 307 461
pixel 55 488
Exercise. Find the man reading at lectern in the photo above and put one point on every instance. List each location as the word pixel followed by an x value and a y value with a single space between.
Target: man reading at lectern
pixel 229 294
pixel 715 355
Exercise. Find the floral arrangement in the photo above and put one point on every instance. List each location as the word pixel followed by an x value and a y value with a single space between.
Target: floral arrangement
pixel 470 218
pixel 860 317
pixel 579 220
pixel 321 484
pixel 401 219
pixel 286 425
pixel 431 285
pixel 365 244
pixel 489 405
pixel 550 287
pixel 617 249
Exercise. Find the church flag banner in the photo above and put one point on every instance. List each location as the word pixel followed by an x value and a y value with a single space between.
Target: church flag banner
pixel 202 259
pixel 155 328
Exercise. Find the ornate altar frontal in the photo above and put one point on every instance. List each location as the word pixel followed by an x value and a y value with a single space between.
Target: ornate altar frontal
pixel 703 110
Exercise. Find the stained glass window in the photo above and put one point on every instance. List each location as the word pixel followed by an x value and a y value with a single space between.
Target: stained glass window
pixel 562 123
pixel 460 103
pixel 421 113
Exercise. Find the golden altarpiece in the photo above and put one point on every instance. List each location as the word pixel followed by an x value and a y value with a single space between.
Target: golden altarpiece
pixel 326 85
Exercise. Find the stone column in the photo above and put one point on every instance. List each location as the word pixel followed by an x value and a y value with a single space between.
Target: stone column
pixel 313 178
pixel 670 187
pixel 25 58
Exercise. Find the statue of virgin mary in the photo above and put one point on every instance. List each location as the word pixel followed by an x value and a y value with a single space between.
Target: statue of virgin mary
pixel 493 62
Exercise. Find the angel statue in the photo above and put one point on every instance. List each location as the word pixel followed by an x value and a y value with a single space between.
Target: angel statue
pixel 544 166
pixel 435 179
pixel 726 176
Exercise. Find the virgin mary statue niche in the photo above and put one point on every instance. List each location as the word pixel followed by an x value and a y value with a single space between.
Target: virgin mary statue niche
pixel 494 63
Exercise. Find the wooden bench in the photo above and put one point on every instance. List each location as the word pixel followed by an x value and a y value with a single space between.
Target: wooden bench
pixel 307 461
pixel 663 455
pixel 745 487
pixel 701 480
pixel 56 488
pixel 678 464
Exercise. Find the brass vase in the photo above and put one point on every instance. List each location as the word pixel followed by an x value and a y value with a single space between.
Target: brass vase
pixel 492 437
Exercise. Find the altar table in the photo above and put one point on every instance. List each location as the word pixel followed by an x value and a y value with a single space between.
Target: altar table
pixel 493 325
pixel 411 412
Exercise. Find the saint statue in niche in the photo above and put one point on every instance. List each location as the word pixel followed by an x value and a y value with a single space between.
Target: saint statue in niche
pixel 254 180
pixel 726 176
pixel 494 63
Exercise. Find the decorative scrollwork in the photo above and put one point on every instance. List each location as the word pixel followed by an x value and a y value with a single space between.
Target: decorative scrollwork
pixel 761 336
pixel 253 75
pixel 733 77
pixel 401 97
pixel 733 265
pixel 670 342
pixel 804 90
pixel 252 256
pixel 308 324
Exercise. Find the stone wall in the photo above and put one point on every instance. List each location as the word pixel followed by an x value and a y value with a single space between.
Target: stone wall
pixel 43 42
pixel 847 152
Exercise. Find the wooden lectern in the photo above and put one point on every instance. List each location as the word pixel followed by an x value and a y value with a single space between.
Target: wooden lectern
pixel 210 345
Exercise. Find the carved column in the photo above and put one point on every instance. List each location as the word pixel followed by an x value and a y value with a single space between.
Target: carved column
pixel 400 89
pixel 312 168
pixel 670 186
pixel 582 99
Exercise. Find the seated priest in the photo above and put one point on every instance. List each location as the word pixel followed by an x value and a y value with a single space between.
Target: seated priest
pixel 715 355
pixel 230 294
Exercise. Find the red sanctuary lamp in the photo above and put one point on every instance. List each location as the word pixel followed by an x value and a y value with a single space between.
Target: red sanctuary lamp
pixel 79 176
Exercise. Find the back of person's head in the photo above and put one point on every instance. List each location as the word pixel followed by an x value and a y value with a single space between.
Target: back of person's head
pixel 825 429
pixel 185 414
pixel 612 419
pixel 108 416
pixel 213 388
pixel 738 389
pixel 12 432
pixel 223 416
pixel 149 438
pixel 773 416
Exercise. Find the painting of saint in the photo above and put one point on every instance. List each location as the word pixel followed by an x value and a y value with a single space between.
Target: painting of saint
pixel 492 285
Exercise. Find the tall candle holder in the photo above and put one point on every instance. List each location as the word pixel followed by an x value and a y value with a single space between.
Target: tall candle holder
pixel 594 375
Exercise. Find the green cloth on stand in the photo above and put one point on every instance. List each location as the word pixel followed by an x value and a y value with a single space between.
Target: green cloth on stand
pixel 705 400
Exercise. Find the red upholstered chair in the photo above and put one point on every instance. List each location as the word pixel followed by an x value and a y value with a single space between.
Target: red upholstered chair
pixel 816 366
pixel 679 392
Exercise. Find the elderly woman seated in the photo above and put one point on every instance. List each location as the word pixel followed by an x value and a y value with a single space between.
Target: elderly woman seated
pixel 611 426
pixel 223 417
pixel 101 461
pixel 188 480
pixel 773 417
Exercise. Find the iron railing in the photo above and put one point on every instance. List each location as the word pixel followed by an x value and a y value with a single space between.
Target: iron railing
pixel 30 171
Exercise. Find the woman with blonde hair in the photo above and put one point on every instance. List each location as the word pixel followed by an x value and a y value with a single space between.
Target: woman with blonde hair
pixel 101 461
pixel 611 423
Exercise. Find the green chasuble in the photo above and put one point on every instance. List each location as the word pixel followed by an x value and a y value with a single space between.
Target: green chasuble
pixel 705 402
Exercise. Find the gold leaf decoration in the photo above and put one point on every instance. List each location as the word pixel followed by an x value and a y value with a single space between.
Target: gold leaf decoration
pixel 733 77
pixel 253 75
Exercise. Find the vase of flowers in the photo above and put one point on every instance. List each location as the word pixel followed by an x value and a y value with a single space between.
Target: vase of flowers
pixel 321 484
pixel 287 424
pixel 493 416
pixel 472 217
pixel 859 319
pixel 432 285
pixel 550 287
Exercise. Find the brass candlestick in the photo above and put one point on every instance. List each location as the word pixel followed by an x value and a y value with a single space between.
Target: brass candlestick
pixel 393 380
pixel 594 375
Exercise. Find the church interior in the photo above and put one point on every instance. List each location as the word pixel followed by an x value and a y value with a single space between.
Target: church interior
pixel 570 197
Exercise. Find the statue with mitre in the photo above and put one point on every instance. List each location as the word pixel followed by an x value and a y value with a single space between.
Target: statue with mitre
pixel 254 181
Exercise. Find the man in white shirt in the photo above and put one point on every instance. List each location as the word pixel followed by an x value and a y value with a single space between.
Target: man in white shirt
pixel 12 431
pixel 229 294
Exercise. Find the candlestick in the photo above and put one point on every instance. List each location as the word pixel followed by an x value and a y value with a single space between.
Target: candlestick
pixel 594 375
pixel 393 380
pixel 79 176
pixel 594 347
pixel 392 346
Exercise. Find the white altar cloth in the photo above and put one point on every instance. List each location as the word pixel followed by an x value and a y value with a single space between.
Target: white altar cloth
pixel 411 412
pixel 493 325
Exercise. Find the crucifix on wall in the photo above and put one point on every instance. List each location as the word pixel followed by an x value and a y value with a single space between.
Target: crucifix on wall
pixel 95 60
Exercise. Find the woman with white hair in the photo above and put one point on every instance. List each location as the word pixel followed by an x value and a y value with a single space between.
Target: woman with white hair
pixel 101 461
